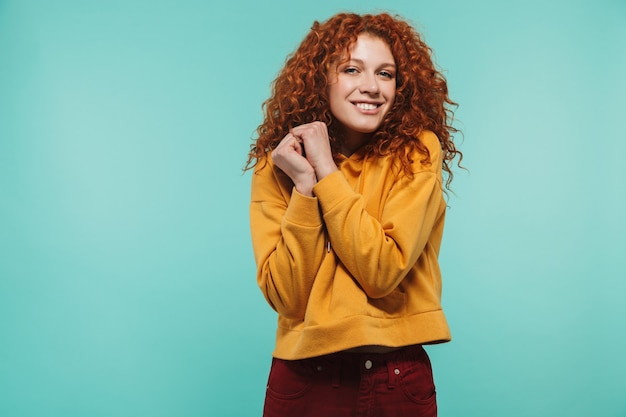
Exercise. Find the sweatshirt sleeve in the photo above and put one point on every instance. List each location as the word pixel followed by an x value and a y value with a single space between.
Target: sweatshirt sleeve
pixel 287 238
pixel 379 253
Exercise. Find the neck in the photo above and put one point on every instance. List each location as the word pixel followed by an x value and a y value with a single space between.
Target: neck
pixel 351 142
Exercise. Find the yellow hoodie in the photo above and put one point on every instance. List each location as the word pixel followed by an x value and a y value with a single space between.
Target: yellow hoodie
pixel 355 265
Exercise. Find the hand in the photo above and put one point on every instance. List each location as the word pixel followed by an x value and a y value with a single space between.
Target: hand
pixel 314 138
pixel 288 156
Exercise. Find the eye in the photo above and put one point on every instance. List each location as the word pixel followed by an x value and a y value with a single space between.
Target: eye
pixel 386 74
pixel 350 70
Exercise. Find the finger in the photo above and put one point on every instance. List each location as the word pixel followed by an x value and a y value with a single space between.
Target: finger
pixel 311 131
pixel 290 144
pixel 287 141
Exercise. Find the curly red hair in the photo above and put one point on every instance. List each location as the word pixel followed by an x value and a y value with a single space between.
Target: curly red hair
pixel 300 92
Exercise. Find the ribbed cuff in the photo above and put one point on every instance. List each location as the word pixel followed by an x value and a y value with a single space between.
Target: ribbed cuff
pixel 332 189
pixel 303 210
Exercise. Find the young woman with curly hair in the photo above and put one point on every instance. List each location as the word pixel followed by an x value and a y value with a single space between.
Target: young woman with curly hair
pixel 347 213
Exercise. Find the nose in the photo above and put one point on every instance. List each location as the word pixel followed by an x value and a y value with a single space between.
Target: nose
pixel 369 84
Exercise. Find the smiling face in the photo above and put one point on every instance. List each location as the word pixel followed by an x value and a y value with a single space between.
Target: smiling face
pixel 361 90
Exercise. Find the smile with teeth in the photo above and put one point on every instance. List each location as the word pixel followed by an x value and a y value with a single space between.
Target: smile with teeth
pixel 366 106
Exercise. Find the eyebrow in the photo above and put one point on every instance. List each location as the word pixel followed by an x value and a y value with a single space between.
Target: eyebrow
pixel 360 61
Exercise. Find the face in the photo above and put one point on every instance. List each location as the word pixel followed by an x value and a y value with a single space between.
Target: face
pixel 361 91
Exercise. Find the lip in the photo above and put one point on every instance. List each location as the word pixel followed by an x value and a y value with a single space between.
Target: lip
pixel 374 110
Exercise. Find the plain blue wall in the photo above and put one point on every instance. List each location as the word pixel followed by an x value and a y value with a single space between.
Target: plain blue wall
pixel 127 283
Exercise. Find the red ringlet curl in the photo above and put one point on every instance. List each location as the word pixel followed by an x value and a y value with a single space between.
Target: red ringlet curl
pixel 300 92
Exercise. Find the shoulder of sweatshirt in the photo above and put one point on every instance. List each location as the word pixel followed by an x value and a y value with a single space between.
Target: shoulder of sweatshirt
pixel 434 162
pixel 263 164
pixel 269 182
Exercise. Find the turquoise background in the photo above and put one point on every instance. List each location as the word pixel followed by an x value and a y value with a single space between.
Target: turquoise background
pixel 127 282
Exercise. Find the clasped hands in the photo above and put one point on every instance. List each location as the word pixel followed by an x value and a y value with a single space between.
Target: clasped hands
pixel 305 155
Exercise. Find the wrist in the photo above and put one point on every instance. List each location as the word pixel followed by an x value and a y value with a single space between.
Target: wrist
pixel 305 185
pixel 305 190
pixel 325 170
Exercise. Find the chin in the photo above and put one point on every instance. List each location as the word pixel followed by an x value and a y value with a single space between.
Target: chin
pixel 367 130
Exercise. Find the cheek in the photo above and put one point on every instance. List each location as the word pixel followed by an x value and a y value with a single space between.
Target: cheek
pixel 332 102
pixel 332 94
pixel 391 97
pixel 391 93
pixel 336 97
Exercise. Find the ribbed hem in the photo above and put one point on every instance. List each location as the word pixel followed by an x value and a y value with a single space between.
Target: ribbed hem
pixel 423 328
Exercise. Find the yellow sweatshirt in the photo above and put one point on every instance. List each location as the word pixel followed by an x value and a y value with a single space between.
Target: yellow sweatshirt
pixel 357 264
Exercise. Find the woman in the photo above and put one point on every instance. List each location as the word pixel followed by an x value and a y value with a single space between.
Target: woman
pixel 347 215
